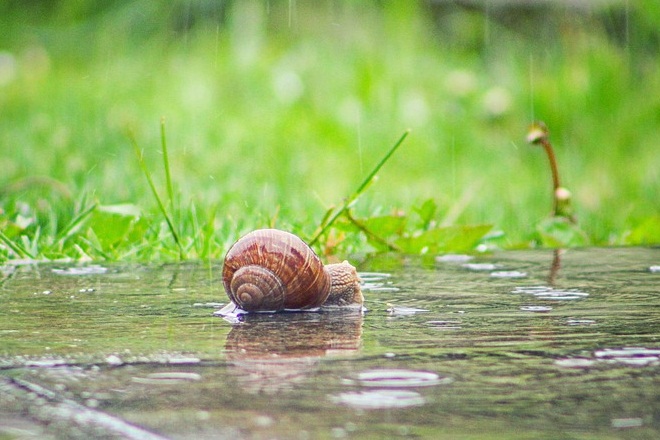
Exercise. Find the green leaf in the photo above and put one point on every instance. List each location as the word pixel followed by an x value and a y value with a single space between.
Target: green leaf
pixel 426 212
pixel 113 224
pixel 560 232
pixel 385 226
pixel 443 239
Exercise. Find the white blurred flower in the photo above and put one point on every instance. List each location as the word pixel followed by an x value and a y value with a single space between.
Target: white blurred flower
pixel 497 101
pixel 7 68
pixel 288 86
pixel 461 82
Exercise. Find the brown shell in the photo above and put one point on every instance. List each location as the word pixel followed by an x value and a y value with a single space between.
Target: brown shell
pixel 271 270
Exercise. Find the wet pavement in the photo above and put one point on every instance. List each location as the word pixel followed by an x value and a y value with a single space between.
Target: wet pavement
pixel 518 344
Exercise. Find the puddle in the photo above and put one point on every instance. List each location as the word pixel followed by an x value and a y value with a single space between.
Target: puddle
pixel 521 344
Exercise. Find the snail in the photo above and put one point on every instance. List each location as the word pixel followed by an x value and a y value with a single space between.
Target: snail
pixel 269 270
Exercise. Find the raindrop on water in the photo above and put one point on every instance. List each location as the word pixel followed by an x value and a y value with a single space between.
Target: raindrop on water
pixel 403 310
pixel 379 399
pixel 632 422
pixel 575 363
pixel 548 293
pixel 536 308
pixel 400 378
pixel 481 266
pixel 634 356
pixel 508 274
pixel 453 258
pixel 93 269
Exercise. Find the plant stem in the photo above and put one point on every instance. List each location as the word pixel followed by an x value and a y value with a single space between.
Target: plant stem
pixel 348 202
pixel 368 233
pixel 539 134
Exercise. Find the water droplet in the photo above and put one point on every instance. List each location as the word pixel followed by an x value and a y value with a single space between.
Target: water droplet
pixel 536 308
pixel 580 322
pixel 633 422
pixel 575 362
pixel 180 360
pixel 93 269
pixel 379 399
pixel 403 310
pixel 114 360
pixel 508 274
pixel 634 356
pixel 167 378
pixel 482 266
pixel 453 258
pixel 92 403
pixel 45 363
pixel 175 375
pixel 549 293
pixel 210 305
pixel 263 421
pixel 376 282
pixel 399 378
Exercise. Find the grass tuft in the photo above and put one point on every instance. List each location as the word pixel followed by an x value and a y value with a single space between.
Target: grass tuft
pixel 161 206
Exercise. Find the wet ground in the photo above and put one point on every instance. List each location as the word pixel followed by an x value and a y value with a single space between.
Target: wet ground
pixel 529 344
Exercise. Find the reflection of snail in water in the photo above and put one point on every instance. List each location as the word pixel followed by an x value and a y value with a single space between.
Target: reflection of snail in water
pixel 271 270
pixel 271 356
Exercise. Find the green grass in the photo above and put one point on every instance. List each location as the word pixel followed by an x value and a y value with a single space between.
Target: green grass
pixel 276 112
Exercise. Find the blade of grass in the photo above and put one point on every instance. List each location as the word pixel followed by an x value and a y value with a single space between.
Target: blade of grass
pixel 353 197
pixel 358 224
pixel 166 163
pixel 73 224
pixel 15 247
pixel 161 206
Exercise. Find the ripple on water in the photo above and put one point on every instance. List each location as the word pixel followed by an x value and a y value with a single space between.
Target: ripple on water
pixel 453 258
pixel 580 322
pixel 167 378
pixel 379 399
pixel 92 269
pixel 639 356
pixel 376 282
pixel 629 356
pixel 404 311
pixel 575 362
pixel 398 378
pixel 549 293
pixel 374 276
pixel 389 392
pixel 538 309
pixel 508 274
pixel 482 266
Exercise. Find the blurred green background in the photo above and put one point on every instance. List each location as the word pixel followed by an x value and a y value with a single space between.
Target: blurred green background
pixel 276 110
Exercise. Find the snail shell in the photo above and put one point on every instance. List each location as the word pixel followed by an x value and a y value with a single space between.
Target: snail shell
pixel 273 270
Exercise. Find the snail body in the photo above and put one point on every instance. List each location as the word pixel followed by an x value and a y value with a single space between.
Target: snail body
pixel 271 270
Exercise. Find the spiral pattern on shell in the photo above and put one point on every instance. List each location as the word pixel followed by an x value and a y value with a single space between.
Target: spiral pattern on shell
pixel 272 270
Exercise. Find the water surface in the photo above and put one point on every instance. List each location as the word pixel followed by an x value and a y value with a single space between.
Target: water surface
pixel 528 344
